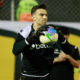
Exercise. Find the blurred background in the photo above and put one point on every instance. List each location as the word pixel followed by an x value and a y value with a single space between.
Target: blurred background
pixel 15 14
pixel 59 10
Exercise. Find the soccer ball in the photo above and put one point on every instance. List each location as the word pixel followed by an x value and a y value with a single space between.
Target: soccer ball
pixel 50 35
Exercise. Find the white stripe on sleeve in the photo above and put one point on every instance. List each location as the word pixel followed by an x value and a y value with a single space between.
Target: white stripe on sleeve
pixel 26 31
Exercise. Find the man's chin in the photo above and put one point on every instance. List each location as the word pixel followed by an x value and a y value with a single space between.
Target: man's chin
pixel 44 23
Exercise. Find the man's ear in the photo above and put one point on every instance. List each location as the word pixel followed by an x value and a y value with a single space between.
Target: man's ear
pixel 33 17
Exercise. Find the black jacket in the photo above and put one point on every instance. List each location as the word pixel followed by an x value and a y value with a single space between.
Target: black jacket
pixel 37 57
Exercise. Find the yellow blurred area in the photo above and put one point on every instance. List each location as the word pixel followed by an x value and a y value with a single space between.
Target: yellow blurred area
pixel 7 58
pixel 75 40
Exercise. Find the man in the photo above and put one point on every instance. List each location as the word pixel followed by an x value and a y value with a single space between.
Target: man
pixel 36 63
pixel 64 70
pixel 66 33
pixel 76 56
pixel 31 68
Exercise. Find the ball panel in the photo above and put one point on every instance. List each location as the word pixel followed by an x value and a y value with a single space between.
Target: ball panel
pixel 50 35
pixel 44 39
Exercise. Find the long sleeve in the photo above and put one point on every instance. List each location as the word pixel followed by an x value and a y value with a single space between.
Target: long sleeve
pixel 19 45
pixel 76 55
pixel 67 48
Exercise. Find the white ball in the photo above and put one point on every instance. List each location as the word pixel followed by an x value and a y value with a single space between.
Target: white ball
pixel 50 35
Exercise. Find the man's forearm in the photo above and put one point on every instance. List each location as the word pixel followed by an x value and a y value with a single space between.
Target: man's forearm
pixel 73 61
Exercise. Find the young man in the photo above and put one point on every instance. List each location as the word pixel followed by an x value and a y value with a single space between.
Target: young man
pixel 36 62
pixel 64 70
pixel 75 51
pixel 34 67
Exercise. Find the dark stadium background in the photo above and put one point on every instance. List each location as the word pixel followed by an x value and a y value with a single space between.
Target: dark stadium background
pixel 58 11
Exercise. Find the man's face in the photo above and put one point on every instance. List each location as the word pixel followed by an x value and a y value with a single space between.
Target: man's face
pixel 40 17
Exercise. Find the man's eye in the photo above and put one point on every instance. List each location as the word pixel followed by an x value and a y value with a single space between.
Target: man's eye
pixel 41 14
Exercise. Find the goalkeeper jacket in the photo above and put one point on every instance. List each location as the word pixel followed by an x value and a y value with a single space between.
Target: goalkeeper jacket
pixel 37 58
pixel 34 61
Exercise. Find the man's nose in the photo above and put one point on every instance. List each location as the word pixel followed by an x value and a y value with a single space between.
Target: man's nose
pixel 45 16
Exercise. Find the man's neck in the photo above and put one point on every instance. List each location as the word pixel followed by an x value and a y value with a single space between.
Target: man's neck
pixel 36 26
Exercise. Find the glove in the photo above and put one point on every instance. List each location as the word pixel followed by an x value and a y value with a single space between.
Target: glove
pixel 32 38
pixel 61 37
pixel 42 28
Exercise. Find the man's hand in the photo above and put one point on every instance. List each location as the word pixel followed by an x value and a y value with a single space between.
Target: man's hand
pixel 41 29
pixel 31 38
pixel 62 57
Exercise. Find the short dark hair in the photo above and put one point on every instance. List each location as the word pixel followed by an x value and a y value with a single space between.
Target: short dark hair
pixel 42 6
pixel 65 30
